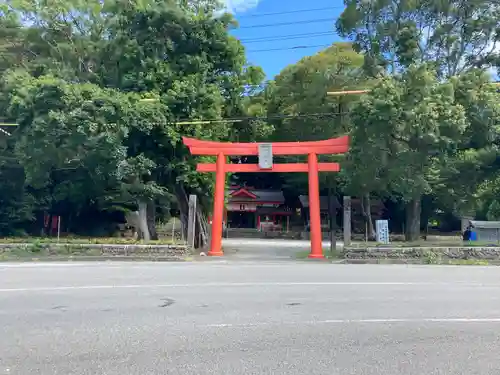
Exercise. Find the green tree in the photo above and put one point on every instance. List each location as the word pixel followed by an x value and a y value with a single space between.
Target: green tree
pixel 477 160
pixel 69 138
pixel 72 142
pixel 453 36
pixel 120 47
pixel 204 78
pixel 300 110
pixel 298 106
pixel 16 204
pixel 407 127
pixel 64 37
pixel 459 41
pixel 301 90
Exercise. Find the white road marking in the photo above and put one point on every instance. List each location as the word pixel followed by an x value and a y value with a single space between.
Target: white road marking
pixel 132 265
pixel 358 321
pixel 40 265
pixel 248 284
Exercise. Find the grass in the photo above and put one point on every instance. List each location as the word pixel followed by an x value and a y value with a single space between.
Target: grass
pixel 35 251
pixel 467 262
pixel 328 255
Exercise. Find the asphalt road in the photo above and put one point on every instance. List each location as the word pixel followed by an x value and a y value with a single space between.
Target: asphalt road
pixel 253 249
pixel 248 318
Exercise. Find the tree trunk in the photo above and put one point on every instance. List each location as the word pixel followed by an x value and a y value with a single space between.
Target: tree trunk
pixel 347 220
pixel 151 219
pixel 143 220
pixel 412 227
pixel 366 207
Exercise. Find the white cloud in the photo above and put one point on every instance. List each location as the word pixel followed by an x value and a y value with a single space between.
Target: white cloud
pixel 239 6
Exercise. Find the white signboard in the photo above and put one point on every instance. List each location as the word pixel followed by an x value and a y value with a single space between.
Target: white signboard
pixel 265 156
pixel 382 231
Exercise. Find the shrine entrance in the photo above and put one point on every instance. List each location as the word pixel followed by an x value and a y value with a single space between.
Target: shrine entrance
pixel 265 152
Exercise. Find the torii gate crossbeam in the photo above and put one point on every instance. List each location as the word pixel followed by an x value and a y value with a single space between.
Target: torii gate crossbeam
pixel 311 149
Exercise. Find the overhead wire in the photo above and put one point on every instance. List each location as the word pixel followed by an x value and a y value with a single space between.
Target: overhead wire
pixel 256 15
pixel 286 37
pixel 299 22
pixel 290 48
pixel 278 38
pixel 250 118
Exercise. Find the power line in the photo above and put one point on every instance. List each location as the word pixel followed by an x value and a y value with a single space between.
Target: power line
pixel 287 37
pixel 252 118
pixel 365 91
pixel 300 22
pixel 290 48
pixel 271 117
pixel 289 12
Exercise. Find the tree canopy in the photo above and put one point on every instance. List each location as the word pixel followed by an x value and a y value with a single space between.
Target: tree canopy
pixel 102 90
pixel 433 128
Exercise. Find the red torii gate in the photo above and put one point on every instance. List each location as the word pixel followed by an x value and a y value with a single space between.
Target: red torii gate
pixel 224 149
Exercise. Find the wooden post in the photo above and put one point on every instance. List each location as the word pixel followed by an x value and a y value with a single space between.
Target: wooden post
pixel 183 241
pixel 191 231
pixel 332 211
pixel 314 208
pixel 173 231
pixel 58 228
pixel 347 220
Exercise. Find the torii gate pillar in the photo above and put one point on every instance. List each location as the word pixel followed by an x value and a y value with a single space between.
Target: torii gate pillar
pixel 314 208
pixel 311 149
pixel 218 211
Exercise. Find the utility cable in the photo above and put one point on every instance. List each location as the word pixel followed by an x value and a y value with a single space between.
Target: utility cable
pixel 250 118
pixel 299 22
pixel 256 15
pixel 290 48
pixel 286 37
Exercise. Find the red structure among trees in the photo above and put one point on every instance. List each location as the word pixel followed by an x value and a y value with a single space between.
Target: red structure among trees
pixel 224 149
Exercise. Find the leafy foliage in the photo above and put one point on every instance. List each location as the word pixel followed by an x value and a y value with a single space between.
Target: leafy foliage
pixel 299 96
pixel 455 36
pixel 429 142
pixel 100 91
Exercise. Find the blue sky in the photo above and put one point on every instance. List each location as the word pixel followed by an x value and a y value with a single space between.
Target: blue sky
pixel 249 14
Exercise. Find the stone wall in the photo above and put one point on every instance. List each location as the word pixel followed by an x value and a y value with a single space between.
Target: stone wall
pixel 444 253
pixel 164 252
